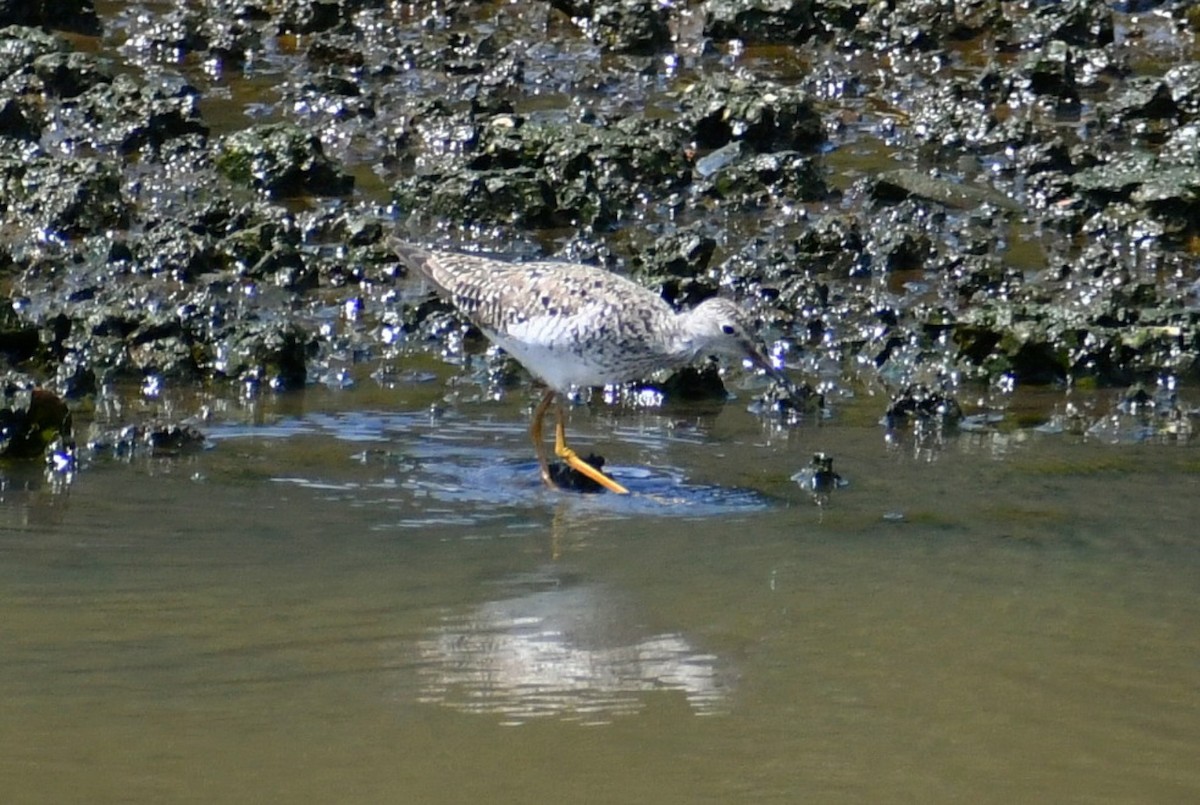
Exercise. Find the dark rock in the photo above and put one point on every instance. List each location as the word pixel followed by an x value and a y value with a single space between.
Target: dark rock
pixel 919 401
pixel 757 181
pixel 834 245
pixel 621 26
pixel 281 161
pixel 630 26
pixel 547 175
pixel 788 402
pixel 312 16
pixel 267 355
pixel 71 197
pixel 1182 148
pixel 692 384
pixel 231 39
pixel 764 115
pixel 684 253
pixel 1169 190
pixel 19 340
pixel 1084 23
pixel 760 20
pixel 900 249
pixel 173 250
pixel 1034 349
pixel 32 420
pixel 923 26
pixel 78 16
pixel 1183 82
pixel 177 32
pixel 74 379
pixel 336 51
pixel 15 123
pixel 128 116
pixel 265 246
pixel 155 438
pixel 21 46
pixel 172 437
pixel 1051 71
pixel 67 75
pixel 1144 98
pixel 984 277
pixel 819 478
pixel 953 118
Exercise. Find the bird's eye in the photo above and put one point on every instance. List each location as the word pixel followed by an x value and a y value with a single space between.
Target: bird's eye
pixel 728 329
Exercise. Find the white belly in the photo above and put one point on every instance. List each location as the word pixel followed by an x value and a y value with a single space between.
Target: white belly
pixel 546 347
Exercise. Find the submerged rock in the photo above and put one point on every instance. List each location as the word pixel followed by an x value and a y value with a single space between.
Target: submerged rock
pixel 156 437
pixel 33 421
pixel 819 478
pixel 920 402
pixel 900 185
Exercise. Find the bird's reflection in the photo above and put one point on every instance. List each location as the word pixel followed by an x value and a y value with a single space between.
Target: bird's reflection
pixel 566 651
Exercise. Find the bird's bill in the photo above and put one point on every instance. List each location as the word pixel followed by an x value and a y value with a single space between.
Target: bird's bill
pixel 756 356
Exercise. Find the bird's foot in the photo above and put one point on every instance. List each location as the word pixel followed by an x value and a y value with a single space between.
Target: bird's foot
pixel 583 475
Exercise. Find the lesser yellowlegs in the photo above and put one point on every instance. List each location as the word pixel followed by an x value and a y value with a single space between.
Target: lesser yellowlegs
pixel 574 325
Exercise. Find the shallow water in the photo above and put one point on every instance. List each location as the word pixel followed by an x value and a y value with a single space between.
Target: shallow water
pixel 342 601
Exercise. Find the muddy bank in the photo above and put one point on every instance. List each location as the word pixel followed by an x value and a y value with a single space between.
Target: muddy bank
pixel 919 199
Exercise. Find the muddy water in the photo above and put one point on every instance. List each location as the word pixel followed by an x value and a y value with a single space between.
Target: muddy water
pixel 343 601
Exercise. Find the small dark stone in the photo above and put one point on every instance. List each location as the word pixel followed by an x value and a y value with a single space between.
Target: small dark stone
pixel 171 437
pixel 920 402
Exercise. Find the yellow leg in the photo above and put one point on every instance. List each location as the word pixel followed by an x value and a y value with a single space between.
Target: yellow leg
pixel 535 433
pixel 575 462
pixel 560 447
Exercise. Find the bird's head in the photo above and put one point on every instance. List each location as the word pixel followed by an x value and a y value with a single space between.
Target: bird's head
pixel 720 327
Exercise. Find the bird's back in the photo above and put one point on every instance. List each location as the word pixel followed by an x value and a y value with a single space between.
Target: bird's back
pixel 570 324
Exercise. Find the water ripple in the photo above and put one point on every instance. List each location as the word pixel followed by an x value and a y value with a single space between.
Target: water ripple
pixel 460 471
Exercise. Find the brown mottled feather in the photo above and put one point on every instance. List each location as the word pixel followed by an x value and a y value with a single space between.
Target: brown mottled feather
pixel 572 324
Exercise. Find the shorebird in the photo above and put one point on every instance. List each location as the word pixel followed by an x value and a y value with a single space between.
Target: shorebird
pixel 573 325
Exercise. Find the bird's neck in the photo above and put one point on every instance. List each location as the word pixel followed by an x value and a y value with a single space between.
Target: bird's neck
pixel 690 339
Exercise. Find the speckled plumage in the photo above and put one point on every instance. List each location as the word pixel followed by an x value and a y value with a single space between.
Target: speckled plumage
pixel 576 325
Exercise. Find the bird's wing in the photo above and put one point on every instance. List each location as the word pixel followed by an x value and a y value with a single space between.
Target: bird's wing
pixel 498 296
